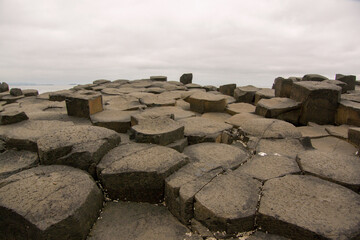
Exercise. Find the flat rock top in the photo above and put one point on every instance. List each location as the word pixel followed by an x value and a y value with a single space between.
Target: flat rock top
pixel 350 104
pixel 241 118
pixel 248 88
pixel 204 96
pixel 209 156
pixel 278 103
pixel 158 125
pixel 236 108
pixel 202 126
pixel 140 158
pixel 14 161
pixel 63 190
pixel 312 204
pixel 217 116
pixel 334 145
pixel 313 132
pixel 280 147
pixel 84 94
pixel 112 116
pixel 138 221
pixel 314 85
pixel 178 113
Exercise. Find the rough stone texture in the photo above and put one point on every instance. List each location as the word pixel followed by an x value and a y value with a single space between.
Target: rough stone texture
pixel 101 81
pixel 12 162
pixel 178 145
pixel 206 102
pixel 227 89
pixel 333 145
pixel 159 78
pixel 4 87
pixel 245 94
pixel 350 80
pixel 117 120
pixel 24 135
pixel 193 85
pixel 306 207
pixel 354 136
pixel 238 119
pixel 84 104
pixel 265 236
pixel 124 102
pixel 352 96
pixel 348 112
pixel 60 96
pixel 236 108
pixel 199 130
pixel 228 203
pixel 280 147
pixel 341 84
pixel 48 202
pixel 16 92
pixel 271 108
pixel 217 116
pixel 157 101
pixel 283 86
pixel 136 172
pixel 313 132
pixel 79 146
pixel 334 167
pixel 138 221
pixel 11 99
pixel 186 78
pixel 338 131
pixel 268 167
pixel 30 92
pixel 176 112
pixel 264 93
pixel 10 117
pixel 319 101
pixel 157 130
pixel 314 77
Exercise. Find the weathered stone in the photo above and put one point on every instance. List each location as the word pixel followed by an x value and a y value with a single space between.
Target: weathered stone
pixel 10 117
pixel 354 136
pixel 217 116
pixel 258 235
pixel 48 202
pixel 4 87
pixel 271 108
pixel 334 167
pixel 11 99
pixel 338 131
pixel 210 88
pixel 245 94
pixel 319 101
pixel 333 145
pixel 236 108
pixel 199 130
pixel 136 172
pixel 264 93
pixel 119 121
pixel 313 132
pixel 228 203
pixel 30 92
pixel 350 80
pixel 283 86
pixel 79 146
pixel 84 104
pixel 348 112
pixel 186 78
pixel 227 89
pixel 12 162
pixel 268 167
pixel 306 207
pixel 82 87
pixel 159 78
pixel 155 90
pixel 157 130
pixel 280 147
pixel 178 145
pixel 60 95
pixel 314 77
pixel 157 101
pixel 2 146
pixel 124 102
pixel 16 92
pixel 200 229
pixel 101 81
pixel 353 96
pixel 206 102
pixel 176 112
pixel 341 84
pixel 193 85
pixel 138 221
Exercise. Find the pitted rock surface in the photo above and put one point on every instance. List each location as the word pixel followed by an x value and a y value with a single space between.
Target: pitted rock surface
pixel 136 172
pixel 280 147
pixel 79 146
pixel 12 162
pixel 206 102
pixel 273 107
pixel 330 210
pixel 48 202
pixel 334 145
pixel 117 120
pixel 236 108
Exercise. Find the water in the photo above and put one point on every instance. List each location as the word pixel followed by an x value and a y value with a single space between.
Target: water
pixel 43 88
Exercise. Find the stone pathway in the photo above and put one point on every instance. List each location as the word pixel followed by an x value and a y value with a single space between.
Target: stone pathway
pixel 157 159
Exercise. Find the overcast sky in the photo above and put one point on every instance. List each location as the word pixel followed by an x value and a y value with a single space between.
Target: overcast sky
pixel 219 41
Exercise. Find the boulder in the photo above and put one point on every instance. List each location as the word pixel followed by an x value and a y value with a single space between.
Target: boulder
pixel 350 80
pixel 319 101
pixel 84 104
pixel 245 94
pixel 341 84
pixel 206 102
pixel 227 89
pixel 271 108
pixel 30 92
pixel 4 87
pixel 78 146
pixel 12 116
pixel 348 112
pixel 236 108
pixel 283 86
pixel 138 221
pixel 117 120
pixel 137 172
pixel 354 136
pixel 48 202
pixel 313 77
pixel 334 167
pixel 306 207
pixel 186 78
pixel 16 92
pixel 264 93
pixel 12 162
pixel 158 78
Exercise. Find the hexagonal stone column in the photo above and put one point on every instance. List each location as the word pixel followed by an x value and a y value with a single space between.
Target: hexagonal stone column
pixel 350 80
pixel 117 120
pixel 12 161
pixel 206 102
pixel 245 94
pixel 227 89
pixel 306 207
pixel 348 112
pixel 48 202
pixel 84 103
pixel 319 101
pixel 186 78
pixel 136 172
pixel 228 203
pixel 79 146
pixel 283 86
pixel 272 108
pixel 12 116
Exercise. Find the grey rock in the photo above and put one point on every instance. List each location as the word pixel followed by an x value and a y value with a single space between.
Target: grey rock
pixel 48 202
pixel 343 85
pixel 16 92
pixel 280 147
pixel 178 145
pixel 61 95
pixel 245 94
pixel 354 136
pixel 271 108
pixel 84 103
pixel 12 162
pixel 314 77
pixel 334 145
pixel 4 87
pixel 10 117
pixel 227 89
pixel 350 80
pixel 338 131
pixel 264 93
pixel 101 81
pixel 236 108
pixel 117 120
pixel 193 85
pixel 30 92
pixel 313 132
pixel 283 86
pixel 217 116
pixel 157 101
pixel 124 102
pixel 206 102
pixel 348 113
pixel 186 78
pixel 159 78
pixel 306 207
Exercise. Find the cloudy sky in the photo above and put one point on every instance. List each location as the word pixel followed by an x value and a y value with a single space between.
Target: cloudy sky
pixel 219 41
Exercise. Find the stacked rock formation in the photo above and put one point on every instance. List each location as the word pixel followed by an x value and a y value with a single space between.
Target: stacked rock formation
pixel 159 159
